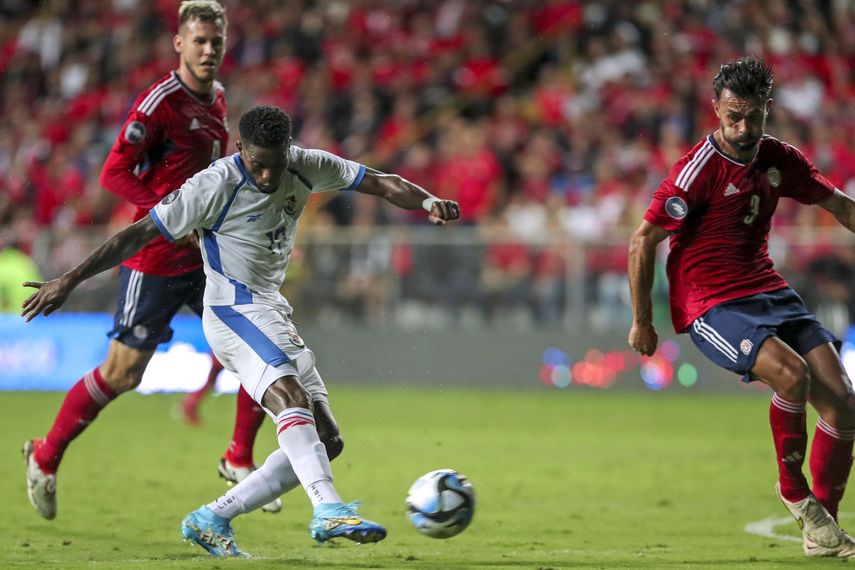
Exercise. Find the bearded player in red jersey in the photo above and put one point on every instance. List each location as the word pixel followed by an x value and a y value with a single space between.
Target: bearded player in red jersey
pixel 716 205
pixel 174 129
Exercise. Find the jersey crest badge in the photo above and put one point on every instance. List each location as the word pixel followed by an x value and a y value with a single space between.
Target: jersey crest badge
pixel 171 197
pixel 676 207
pixel 774 176
pixel 135 132
pixel 296 340
pixel 290 205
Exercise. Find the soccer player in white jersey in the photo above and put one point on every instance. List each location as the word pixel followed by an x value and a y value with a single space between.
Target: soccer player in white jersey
pixel 245 208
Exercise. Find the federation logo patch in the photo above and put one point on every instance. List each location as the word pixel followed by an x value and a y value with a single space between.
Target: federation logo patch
pixel 135 132
pixel 745 346
pixel 290 205
pixel 296 340
pixel 171 197
pixel 676 207
pixel 774 176
pixel 140 332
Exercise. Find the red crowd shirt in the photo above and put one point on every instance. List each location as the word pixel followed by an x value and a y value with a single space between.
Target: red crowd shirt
pixel 170 134
pixel 719 212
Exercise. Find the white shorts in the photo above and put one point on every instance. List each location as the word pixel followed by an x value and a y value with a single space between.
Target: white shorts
pixel 259 344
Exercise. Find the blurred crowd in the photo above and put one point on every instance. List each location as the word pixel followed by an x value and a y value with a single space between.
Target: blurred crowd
pixel 550 121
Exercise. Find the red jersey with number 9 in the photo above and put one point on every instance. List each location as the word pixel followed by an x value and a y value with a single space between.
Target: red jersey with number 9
pixel 719 210
pixel 171 133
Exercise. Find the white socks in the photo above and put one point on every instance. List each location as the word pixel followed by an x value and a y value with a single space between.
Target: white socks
pixel 301 459
pixel 263 485
pixel 298 437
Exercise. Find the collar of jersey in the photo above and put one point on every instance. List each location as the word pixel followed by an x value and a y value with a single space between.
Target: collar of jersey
pixel 244 172
pixel 198 96
pixel 733 158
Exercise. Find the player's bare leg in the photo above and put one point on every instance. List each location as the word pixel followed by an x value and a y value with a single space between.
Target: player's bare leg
pixel 789 376
pixel 121 371
pixel 190 404
pixel 832 396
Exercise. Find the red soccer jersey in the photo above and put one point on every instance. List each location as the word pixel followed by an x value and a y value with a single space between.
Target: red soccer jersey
pixel 719 212
pixel 170 135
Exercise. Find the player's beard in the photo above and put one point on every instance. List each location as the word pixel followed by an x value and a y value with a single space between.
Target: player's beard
pixel 208 76
pixel 743 144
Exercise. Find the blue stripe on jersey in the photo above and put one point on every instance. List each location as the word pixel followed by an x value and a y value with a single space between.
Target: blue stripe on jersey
pixel 358 180
pixel 157 221
pixel 306 182
pixel 244 172
pixel 251 335
pixel 243 296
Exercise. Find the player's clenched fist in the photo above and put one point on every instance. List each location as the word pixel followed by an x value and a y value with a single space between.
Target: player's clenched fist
pixel 443 211
pixel 643 339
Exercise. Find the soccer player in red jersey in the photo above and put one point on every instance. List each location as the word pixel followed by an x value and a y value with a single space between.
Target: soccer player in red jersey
pixel 174 129
pixel 716 205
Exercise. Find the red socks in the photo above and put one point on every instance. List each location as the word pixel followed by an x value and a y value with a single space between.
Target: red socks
pixel 81 405
pixel 830 462
pixel 247 421
pixel 788 430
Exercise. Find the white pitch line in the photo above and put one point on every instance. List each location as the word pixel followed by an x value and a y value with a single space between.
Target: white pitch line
pixel 766 528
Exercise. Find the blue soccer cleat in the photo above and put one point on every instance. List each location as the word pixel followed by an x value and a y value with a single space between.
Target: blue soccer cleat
pixel 210 531
pixel 339 520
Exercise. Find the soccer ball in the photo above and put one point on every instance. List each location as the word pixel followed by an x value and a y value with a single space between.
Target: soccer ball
pixel 440 504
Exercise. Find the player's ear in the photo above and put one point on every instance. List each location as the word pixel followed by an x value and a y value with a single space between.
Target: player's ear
pixel 239 146
pixel 176 43
pixel 714 102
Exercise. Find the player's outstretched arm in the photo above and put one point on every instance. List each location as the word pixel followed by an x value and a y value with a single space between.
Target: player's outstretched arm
pixel 842 207
pixel 642 263
pixel 52 294
pixel 404 194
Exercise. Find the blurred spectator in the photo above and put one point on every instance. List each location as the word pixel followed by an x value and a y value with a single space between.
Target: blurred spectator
pixel 555 114
pixel 16 267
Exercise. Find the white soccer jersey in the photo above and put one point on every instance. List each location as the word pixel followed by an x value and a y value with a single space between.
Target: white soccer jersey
pixel 247 235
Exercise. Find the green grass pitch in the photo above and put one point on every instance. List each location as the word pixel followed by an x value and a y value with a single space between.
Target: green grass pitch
pixel 564 479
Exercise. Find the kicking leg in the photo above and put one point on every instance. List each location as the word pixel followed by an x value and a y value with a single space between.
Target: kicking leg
pixel 298 437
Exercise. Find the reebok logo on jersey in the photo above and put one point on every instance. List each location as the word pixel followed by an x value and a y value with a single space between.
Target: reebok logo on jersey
pixel 254 217
pixel 194 124
pixel 676 207
pixel 171 197
pixel 731 190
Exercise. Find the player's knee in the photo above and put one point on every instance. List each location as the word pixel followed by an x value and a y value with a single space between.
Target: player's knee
pixel 286 392
pixel 121 379
pixel 793 380
pixel 334 444
pixel 841 414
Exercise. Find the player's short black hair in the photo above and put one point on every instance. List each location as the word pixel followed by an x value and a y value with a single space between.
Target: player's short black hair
pixel 747 77
pixel 265 127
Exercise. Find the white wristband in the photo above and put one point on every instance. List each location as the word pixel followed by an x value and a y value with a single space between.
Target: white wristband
pixel 428 203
